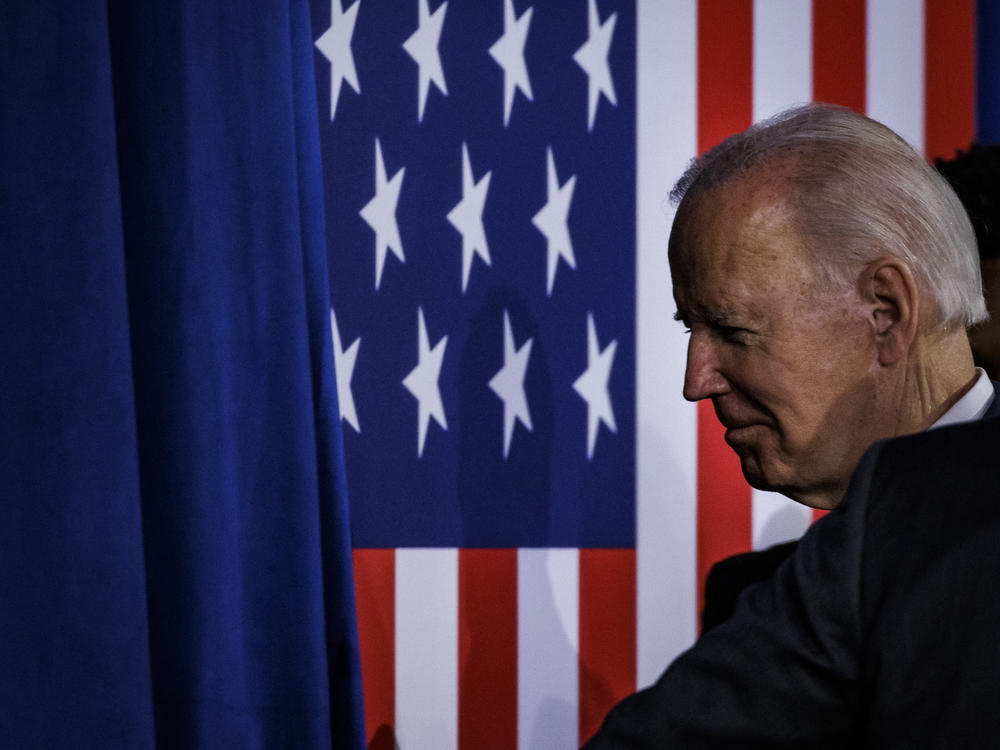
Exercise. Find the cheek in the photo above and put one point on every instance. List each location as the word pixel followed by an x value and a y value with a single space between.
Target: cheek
pixel 807 394
pixel 838 354
pixel 836 402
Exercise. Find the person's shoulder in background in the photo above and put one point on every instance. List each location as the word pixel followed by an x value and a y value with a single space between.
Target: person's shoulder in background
pixel 728 578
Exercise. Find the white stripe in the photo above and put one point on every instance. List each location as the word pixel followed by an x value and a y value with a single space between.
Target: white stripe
pixel 665 423
pixel 777 519
pixel 782 76
pixel 548 644
pixel 782 55
pixel 427 648
pixel 895 75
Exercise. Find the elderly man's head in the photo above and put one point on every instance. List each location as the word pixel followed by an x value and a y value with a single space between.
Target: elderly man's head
pixel 827 275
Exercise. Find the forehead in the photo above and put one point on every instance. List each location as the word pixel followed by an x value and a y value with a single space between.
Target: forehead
pixel 737 240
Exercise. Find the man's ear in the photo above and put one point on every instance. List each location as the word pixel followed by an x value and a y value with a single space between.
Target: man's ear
pixel 891 291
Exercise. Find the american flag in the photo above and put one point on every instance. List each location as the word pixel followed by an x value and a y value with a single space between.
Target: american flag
pixel 534 506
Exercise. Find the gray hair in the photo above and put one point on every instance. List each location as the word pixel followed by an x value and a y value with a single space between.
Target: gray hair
pixel 858 191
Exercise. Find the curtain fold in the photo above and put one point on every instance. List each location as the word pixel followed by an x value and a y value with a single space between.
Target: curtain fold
pixel 987 71
pixel 174 559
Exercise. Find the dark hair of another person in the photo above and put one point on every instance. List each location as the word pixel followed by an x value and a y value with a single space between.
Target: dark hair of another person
pixel 975 176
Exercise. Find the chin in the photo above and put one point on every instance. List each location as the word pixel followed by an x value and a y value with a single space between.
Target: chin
pixel 758 482
pixel 752 470
pixel 760 479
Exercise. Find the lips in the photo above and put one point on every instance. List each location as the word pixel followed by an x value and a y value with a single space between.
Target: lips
pixel 737 415
pixel 740 428
pixel 736 423
pixel 740 433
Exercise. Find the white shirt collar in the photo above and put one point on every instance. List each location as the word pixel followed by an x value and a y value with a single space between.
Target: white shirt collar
pixel 972 405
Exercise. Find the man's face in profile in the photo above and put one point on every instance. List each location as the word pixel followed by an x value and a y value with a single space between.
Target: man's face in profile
pixel 788 364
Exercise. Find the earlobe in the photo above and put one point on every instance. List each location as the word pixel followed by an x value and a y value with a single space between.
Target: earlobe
pixel 892 293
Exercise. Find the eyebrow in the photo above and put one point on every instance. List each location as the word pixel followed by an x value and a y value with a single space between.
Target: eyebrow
pixel 723 319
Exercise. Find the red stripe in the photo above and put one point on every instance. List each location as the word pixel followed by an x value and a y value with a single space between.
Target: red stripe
pixel 487 648
pixel 725 69
pixel 375 590
pixel 725 507
pixel 607 633
pixel 725 106
pixel 839 52
pixel 949 76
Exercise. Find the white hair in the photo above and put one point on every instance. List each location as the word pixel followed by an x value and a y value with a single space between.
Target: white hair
pixel 857 192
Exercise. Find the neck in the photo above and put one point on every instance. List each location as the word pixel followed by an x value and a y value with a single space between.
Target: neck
pixel 909 397
pixel 936 374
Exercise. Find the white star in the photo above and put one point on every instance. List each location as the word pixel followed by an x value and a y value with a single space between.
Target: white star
pixel 508 384
pixel 467 217
pixel 335 44
pixel 592 385
pixel 343 366
pixel 593 58
pixel 508 51
pixel 551 220
pixel 423 48
pixel 422 382
pixel 380 214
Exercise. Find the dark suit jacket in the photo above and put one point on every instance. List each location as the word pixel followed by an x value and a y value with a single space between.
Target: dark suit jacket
pixel 728 578
pixel 881 631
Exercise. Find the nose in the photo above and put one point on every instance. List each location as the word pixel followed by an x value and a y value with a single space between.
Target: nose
pixel 703 377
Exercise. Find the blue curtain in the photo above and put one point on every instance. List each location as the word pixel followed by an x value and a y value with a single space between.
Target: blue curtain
pixel 174 545
pixel 988 71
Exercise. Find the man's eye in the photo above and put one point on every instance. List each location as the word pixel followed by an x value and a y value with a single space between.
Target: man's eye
pixel 734 335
